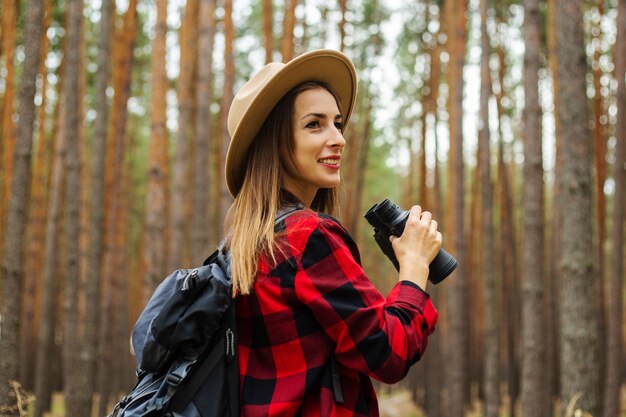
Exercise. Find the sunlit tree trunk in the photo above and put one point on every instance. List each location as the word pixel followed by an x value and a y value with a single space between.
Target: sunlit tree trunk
pixel 50 285
pixel 31 311
pixel 268 30
pixel 342 24
pixel 7 109
pixel 202 228
pixel 76 403
pixel 614 370
pixel 225 198
pixel 122 53
pixel 155 238
pixel 579 282
pixel 457 369
pixel 491 347
pixel 12 269
pixel 509 270
pixel 184 93
pixel 533 329
pixel 96 203
pixel 289 21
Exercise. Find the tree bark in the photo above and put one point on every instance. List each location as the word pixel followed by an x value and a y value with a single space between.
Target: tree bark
pixel 225 198
pixel 457 371
pixel 289 21
pixel 180 190
pixel 580 373
pixel 202 226
pixel 12 270
pixel 7 126
pixel 533 381
pixel 268 30
pixel 491 352
pixel 37 223
pixel 614 370
pixel 122 54
pixel 76 399
pixel 155 238
pixel 96 226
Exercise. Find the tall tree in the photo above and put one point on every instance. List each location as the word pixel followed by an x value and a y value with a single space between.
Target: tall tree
pixel 580 373
pixel 76 398
pixel 180 174
pixel 491 347
pixel 12 269
pixel 268 30
pixel 614 368
pixel 227 97
pixel 554 249
pixel 533 329
pixel 155 238
pixel 201 224
pixel 89 345
pixel 289 22
pixel 7 108
pixel 457 342
pixel 37 221
pixel 122 54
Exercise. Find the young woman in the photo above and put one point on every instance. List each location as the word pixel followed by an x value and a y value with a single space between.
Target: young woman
pixel 304 303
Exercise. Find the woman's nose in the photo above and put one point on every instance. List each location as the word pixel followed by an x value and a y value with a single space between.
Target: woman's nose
pixel 336 138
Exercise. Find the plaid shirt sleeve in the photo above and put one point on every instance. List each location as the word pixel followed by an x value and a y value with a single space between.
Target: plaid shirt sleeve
pixel 376 336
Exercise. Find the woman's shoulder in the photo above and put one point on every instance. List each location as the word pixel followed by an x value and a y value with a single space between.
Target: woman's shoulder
pixel 305 227
pixel 307 220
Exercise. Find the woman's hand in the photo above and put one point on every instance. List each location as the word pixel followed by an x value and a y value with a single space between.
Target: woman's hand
pixel 417 247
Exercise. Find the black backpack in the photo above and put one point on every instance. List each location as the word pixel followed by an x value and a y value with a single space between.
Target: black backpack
pixel 185 345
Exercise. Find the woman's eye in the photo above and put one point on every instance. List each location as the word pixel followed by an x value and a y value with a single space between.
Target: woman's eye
pixel 313 125
pixel 339 126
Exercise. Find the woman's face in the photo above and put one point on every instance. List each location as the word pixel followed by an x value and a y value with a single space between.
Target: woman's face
pixel 318 144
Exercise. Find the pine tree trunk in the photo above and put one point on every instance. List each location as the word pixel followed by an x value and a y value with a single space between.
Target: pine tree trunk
pixel 552 286
pixel 615 321
pixel 97 199
pixel 268 31
pixel 122 53
pixel 533 382
pixel 180 172
pixel 225 198
pixel 491 352
pixel 342 24
pixel 457 371
pixel 12 269
pixel 36 225
pixel 155 238
pixel 580 373
pixel 7 126
pixel 76 399
pixel 50 287
pixel 289 21
pixel 202 229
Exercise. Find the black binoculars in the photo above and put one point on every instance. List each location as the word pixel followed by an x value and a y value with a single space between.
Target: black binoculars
pixel 389 219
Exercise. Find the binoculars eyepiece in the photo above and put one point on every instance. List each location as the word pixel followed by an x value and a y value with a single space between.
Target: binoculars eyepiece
pixel 389 219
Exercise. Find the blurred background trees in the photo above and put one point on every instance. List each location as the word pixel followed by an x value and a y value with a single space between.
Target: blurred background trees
pixel 503 118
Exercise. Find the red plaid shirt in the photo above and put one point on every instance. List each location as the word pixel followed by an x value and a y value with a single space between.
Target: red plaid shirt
pixel 315 302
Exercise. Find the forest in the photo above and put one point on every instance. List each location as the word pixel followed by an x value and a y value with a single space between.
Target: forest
pixel 505 118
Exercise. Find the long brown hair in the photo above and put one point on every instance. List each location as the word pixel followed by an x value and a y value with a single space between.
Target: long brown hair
pixel 250 220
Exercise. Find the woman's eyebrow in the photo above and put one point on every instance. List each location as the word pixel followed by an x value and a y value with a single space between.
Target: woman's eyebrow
pixel 321 116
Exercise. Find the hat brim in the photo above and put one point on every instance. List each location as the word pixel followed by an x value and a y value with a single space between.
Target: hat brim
pixel 326 66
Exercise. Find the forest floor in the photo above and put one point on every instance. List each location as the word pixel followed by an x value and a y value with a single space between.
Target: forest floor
pixel 393 403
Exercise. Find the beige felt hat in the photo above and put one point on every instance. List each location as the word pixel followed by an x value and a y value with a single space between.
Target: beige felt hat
pixel 256 99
